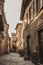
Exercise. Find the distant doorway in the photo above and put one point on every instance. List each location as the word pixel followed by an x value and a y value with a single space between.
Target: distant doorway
pixel 1 24
pixel 40 37
pixel 28 47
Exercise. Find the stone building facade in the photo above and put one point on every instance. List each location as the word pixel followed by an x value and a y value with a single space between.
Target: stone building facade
pixel 19 36
pixel 32 17
pixel 3 28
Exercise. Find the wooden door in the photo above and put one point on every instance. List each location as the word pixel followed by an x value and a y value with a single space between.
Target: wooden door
pixel 40 35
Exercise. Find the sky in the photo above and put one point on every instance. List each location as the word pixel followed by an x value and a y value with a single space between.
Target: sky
pixel 12 12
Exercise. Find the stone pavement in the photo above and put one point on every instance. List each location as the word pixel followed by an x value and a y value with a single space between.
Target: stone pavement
pixel 13 59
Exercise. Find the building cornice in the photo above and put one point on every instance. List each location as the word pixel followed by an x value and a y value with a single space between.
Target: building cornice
pixel 18 25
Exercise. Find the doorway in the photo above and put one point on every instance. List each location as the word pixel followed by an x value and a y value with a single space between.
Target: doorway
pixel 40 37
pixel 28 47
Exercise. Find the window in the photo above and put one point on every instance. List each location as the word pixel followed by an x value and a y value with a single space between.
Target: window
pixel 26 21
pixel 41 4
pixel 34 7
pixel 27 17
pixel 32 12
pixel 37 6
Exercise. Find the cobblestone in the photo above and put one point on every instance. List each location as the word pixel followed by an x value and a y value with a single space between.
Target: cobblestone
pixel 13 59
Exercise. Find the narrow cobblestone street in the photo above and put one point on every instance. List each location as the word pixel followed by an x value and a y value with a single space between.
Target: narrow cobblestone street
pixel 13 59
pixel 21 32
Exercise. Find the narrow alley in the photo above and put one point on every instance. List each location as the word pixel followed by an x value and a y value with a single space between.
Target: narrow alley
pixel 21 32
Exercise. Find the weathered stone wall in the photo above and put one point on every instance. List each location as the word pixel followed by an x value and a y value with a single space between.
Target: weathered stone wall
pixel 32 30
pixel 3 29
